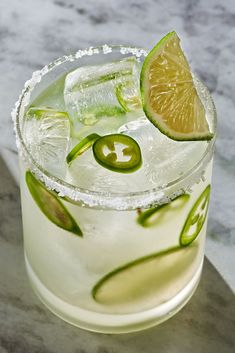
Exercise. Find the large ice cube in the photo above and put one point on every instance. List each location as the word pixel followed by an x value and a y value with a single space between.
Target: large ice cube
pixel 92 92
pixel 47 136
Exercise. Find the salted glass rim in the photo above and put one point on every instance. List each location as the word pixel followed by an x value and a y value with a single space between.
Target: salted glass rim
pixel 105 199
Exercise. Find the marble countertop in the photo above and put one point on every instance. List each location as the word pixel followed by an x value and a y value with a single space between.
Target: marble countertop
pixel 35 33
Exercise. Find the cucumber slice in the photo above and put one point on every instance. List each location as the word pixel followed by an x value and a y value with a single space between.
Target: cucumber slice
pixel 153 215
pixel 196 218
pixel 146 281
pixel 51 206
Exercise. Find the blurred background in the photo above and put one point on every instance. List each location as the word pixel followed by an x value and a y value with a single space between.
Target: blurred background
pixel 34 33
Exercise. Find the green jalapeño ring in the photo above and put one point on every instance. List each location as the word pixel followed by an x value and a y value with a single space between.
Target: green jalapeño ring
pixel 110 160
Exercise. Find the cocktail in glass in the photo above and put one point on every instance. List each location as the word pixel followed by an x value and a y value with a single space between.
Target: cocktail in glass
pixel 108 251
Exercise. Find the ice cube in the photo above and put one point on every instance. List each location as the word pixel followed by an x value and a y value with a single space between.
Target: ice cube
pixel 92 92
pixel 47 136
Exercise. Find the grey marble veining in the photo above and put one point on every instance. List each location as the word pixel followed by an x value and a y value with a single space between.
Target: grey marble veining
pixel 33 33
pixel 205 325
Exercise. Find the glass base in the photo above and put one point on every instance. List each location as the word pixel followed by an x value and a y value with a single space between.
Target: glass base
pixel 108 323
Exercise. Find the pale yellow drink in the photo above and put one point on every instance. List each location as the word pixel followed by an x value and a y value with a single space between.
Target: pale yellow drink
pixel 130 269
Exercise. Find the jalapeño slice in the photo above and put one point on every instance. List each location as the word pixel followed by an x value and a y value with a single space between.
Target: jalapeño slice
pixel 105 152
pixel 154 215
pixel 196 218
pixel 51 206
pixel 143 280
pixel 81 147
pixel 127 96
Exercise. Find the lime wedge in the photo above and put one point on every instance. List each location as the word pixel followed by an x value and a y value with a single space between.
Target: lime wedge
pixel 51 206
pixel 196 218
pixel 169 97
pixel 146 281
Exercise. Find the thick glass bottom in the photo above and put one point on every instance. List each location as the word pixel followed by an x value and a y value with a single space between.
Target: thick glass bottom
pixel 108 323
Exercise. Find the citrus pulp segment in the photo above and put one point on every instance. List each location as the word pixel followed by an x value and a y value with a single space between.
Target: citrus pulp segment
pixel 170 99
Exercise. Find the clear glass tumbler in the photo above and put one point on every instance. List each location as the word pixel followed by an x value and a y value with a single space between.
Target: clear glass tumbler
pixel 141 254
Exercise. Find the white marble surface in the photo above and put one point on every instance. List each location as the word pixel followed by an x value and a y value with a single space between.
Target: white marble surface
pixel 33 33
